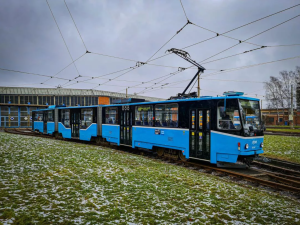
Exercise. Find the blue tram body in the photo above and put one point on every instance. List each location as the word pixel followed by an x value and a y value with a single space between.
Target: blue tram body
pixel 217 129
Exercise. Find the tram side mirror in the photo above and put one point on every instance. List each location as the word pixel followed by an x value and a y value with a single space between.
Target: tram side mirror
pixel 250 128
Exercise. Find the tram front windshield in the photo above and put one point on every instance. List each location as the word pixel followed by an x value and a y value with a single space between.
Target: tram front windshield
pixel 250 113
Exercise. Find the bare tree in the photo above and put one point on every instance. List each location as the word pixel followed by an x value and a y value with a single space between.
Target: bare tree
pixel 278 89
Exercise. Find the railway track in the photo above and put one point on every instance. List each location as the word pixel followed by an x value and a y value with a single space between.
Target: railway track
pixel 282 133
pixel 265 174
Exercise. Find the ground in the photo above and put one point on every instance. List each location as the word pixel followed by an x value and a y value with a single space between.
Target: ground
pixel 45 180
pixel 284 130
pixel 282 147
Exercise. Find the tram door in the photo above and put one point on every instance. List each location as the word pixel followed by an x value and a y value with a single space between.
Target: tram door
pixel 200 133
pixel 75 122
pixel 45 117
pixel 126 125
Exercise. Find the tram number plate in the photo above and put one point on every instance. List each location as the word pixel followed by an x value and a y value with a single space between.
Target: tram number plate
pixel 125 107
pixel 157 131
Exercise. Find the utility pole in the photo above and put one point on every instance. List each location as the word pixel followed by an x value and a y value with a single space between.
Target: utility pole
pixel 292 109
pixel 126 92
pixel 198 85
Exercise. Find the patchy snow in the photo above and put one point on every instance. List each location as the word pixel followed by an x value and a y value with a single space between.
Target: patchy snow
pixel 43 181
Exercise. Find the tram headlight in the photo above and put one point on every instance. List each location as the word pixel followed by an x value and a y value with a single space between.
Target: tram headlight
pixel 262 145
pixel 246 146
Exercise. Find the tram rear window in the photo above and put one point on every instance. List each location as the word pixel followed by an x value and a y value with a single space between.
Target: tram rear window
pixel 228 117
pixel 144 115
pixel 111 115
pixel 166 115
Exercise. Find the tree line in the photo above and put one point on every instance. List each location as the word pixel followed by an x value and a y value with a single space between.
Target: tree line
pixel 279 90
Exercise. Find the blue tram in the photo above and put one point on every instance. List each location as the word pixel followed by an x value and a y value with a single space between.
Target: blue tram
pixel 203 128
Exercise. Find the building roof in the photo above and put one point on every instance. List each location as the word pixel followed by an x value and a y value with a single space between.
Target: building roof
pixel 69 92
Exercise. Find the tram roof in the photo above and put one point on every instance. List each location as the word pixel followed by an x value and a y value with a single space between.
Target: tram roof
pixel 157 102
pixel 187 100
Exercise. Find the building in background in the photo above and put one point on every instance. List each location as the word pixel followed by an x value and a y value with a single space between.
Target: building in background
pixel 279 117
pixel 17 103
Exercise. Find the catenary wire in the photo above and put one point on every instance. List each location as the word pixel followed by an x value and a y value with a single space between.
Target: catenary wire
pixel 184 11
pixel 231 30
pixel 62 36
pixel 75 25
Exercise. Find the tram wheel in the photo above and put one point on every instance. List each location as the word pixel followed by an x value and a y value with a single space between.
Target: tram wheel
pixel 160 152
pixel 181 156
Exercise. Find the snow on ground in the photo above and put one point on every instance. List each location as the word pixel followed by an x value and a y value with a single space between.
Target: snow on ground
pixel 283 147
pixel 43 181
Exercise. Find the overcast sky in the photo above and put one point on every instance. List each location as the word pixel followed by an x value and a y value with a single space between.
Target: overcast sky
pixel 31 42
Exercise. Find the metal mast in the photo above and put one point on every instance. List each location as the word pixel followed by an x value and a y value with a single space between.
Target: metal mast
pixel 186 56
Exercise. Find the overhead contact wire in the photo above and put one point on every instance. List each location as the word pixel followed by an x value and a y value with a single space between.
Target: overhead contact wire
pixel 62 36
pixel 75 25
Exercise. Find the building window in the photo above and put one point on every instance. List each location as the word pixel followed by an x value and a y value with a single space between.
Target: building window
pixel 166 115
pixel 6 99
pixel 111 115
pixel 2 99
pixel 280 119
pixel 144 115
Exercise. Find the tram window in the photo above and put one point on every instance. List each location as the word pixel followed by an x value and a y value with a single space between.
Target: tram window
pixel 166 115
pixel 193 119
pixel 65 117
pixel 50 116
pixel 207 120
pixel 200 119
pixel 228 119
pixel 39 116
pixel 86 117
pixel 111 115
pixel 144 115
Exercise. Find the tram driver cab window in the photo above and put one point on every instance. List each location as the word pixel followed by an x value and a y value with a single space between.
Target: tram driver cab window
pixel 228 116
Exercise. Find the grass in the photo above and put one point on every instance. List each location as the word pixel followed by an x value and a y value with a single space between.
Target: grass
pixel 282 147
pixel 284 130
pixel 283 126
pixel 46 181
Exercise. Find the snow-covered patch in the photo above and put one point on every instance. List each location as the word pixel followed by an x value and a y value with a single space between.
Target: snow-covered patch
pixel 49 181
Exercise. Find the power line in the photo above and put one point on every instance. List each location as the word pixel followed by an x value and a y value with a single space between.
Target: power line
pixel 250 38
pixel 62 36
pixel 261 18
pixel 243 81
pixel 36 74
pixel 244 67
pixel 234 69
pixel 113 57
pixel 169 40
pixel 75 25
pixel 223 33
pixel 184 11
pixel 64 68
pixel 231 30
